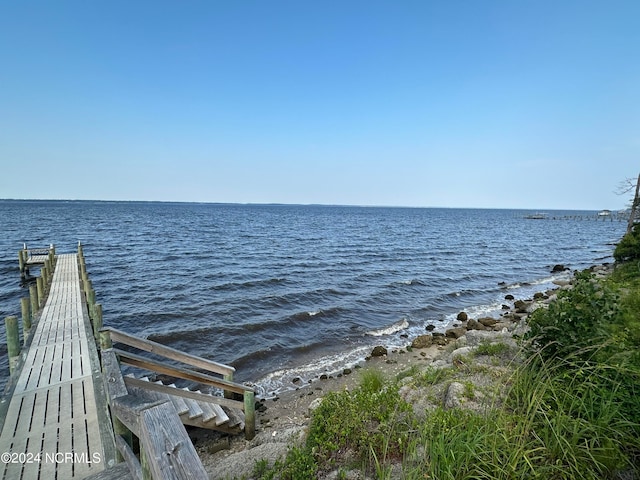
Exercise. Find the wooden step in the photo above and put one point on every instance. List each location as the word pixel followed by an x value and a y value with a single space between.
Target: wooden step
pixel 195 410
pixel 199 413
pixel 178 402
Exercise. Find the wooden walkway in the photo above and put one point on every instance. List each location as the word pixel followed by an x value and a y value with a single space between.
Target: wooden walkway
pixel 56 425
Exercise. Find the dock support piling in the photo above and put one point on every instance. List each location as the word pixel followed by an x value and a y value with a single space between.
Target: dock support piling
pixel 105 340
pixel 249 415
pixel 22 261
pixel 13 341
pixel 91 304
pixel 44 273
pixel 52 256
pixel 26 317
pixel 97 321
pixel 40 289
pixel 33 296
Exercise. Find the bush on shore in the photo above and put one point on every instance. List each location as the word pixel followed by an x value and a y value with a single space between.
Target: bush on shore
pixel 629 247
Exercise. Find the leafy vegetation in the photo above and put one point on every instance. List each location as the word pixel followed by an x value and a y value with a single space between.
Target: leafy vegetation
pixel 571 410
pixel 580 318
pixel 629 247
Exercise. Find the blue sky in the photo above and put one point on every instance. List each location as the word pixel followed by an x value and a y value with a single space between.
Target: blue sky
pixel 497 104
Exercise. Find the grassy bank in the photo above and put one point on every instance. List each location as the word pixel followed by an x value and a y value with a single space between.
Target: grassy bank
pixel 569 408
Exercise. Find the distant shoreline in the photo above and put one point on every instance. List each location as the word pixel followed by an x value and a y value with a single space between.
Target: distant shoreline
pixel 322 205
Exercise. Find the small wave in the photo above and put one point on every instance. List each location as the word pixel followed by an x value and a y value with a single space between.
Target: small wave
pixel 413 281
pixel 391 329
pixel 249 284
pixel 274 383
pixel 320 313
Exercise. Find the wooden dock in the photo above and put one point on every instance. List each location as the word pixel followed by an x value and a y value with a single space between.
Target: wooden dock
pixel 53 427
pixel 69 413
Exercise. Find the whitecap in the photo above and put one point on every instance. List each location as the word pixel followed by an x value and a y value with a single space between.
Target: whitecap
pixel 391 329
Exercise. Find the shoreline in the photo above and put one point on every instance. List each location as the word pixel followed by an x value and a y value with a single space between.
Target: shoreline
pixel 311 370
pixel 282 420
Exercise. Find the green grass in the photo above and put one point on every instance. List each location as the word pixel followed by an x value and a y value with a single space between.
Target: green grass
pixel 492 349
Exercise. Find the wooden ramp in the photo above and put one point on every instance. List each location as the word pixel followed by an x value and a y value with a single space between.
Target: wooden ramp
pixel 56 427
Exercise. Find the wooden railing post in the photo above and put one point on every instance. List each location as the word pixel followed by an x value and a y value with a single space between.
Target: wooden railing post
pixel 105 339
pixel 115 387
pixel 228 377
pixel 26 318
pixel 249 415
pixel 13 341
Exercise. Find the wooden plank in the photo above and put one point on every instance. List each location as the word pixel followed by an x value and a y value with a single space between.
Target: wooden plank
pixel 169 450
pixel 168 352
pixel 236 418
pixel 194 409
pixel 131 461
pixel 127 409
pixel 65 418
pixel 208 413
pixel 113 375
pixel 178 402
pixel 221 415
pixel 119 472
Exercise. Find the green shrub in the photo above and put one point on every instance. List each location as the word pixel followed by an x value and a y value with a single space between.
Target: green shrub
pixel 579 318
pixel 297 465
pixel 629 247
pixel 360 421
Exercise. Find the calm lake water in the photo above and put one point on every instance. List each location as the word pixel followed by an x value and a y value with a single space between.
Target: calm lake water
pixel 285 291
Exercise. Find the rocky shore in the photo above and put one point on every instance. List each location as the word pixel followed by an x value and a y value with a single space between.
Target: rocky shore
pixel 476 357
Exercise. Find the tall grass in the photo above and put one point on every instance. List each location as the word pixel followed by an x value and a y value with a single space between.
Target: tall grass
pixel 556 426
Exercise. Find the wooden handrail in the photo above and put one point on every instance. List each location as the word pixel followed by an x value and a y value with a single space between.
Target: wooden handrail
pixel 139 361
pixel 38 251
pixel 178 392
pixel 168 352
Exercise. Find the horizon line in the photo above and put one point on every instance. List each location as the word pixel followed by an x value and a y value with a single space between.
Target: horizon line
pixel 280 204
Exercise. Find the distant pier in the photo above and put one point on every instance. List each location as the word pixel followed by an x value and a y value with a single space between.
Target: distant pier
pixel 603 216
